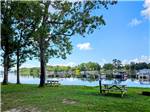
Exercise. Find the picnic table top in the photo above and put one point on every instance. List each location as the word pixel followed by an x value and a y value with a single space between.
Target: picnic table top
pixel 114 84
pixel 48 80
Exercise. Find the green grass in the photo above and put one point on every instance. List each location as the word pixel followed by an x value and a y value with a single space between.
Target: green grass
pixel 87 99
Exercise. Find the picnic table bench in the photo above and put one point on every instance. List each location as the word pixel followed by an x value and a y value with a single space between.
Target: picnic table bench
pixel 106 88
pixel 53 82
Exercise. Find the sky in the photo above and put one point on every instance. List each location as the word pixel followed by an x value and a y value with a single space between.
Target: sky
pixel 126 36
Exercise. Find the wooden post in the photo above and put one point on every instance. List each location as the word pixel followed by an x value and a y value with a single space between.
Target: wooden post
pixel 100 86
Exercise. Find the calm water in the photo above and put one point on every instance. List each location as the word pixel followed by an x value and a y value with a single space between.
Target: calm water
pixel 74 81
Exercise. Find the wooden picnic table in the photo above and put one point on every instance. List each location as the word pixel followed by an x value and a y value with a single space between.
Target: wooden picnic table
pixel 106 88
pixel 53 82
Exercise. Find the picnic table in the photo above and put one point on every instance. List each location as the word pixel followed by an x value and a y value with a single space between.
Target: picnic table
pixel 53 82
pixel 106 88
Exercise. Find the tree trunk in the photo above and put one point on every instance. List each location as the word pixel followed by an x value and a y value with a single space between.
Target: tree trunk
pixel 5 80
pixel 18 62
pixel 42 63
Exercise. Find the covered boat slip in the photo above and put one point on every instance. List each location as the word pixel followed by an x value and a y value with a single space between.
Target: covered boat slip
pixel 144 75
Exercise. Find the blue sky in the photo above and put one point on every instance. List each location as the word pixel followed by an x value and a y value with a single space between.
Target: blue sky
pixel 125 37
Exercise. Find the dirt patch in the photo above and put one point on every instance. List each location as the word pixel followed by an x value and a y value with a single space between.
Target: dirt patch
pixel 22 109
pixel 69 101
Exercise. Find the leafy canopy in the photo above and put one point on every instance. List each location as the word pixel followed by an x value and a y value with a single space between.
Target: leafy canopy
pixel 62 19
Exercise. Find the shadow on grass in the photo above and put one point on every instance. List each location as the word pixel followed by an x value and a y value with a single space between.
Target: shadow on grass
pixel 115 95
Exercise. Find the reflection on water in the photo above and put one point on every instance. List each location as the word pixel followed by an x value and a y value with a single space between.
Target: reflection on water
pixel 78 81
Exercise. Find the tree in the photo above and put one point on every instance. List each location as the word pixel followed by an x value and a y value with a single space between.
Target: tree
pixel 127 68
pixel 92 66
pixel 108 66
pixel 7 42
pixel 117 63
pixel 52 38
pixel 34 71
pixel 25 71
pixel 132 69
pixel 148 65
pixel 82 67
pixel 19 20
pixel 77 72
pixel 25 23
pixel 141 65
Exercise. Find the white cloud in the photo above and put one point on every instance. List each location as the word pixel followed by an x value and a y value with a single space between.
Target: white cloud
pixel 135 22
pixel 146 11
pixel 137 60
pixel 84 46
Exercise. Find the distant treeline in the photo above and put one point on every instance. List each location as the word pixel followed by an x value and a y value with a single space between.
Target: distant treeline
pixel 107 68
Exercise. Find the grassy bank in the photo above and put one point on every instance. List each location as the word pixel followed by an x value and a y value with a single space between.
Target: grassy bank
pixel 71 99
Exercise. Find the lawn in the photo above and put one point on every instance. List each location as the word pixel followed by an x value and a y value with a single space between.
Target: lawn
pixel 71 99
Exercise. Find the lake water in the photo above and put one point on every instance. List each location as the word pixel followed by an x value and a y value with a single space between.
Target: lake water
pixel 75 81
